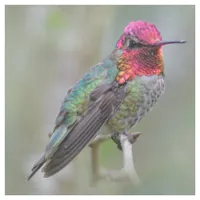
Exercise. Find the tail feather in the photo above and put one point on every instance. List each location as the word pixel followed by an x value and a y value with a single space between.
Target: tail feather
pixel 37 166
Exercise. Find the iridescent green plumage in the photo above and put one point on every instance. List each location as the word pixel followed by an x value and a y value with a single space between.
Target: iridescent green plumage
pixel 141 94
pixel 76 102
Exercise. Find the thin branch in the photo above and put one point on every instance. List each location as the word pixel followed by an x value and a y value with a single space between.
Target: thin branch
pixel 95 162
pixel 128 159
pixel 128 171
pixel 99 139
pixel 95 155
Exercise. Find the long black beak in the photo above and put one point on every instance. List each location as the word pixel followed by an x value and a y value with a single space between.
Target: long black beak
pixel 161 43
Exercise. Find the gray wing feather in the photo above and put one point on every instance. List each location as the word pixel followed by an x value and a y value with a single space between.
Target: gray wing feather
pixel 101 108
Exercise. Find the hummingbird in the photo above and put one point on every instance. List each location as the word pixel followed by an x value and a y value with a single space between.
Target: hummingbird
pixel 116 93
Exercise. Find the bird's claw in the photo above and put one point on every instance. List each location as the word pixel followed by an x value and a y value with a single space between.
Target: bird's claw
pixel 116 138
pixel 132 137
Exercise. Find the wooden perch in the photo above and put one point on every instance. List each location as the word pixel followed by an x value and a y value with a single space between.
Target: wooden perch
pixel 128 171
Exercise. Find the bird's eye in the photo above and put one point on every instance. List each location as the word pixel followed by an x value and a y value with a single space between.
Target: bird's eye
pixel 133 44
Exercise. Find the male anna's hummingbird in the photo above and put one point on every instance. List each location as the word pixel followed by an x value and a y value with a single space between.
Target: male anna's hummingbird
pixel 115 93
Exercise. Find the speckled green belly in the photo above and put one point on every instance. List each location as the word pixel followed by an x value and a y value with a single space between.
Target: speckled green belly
pixel 142 93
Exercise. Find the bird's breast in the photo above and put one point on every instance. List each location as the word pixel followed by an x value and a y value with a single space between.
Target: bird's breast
pixel 141 94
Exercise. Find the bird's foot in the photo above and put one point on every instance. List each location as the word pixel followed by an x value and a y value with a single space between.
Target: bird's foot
pixel 132 137
pixel 116 138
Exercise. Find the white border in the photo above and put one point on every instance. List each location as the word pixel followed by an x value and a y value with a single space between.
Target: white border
pixel 76 2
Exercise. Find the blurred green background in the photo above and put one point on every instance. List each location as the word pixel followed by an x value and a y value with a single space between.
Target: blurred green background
pixel 48 49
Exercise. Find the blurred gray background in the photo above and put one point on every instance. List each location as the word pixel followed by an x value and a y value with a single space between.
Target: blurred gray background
pixel 48 49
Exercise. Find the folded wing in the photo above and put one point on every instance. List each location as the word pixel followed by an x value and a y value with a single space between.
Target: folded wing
pixel 103 104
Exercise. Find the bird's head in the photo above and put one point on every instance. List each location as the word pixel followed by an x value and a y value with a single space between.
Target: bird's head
pixel 140 48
